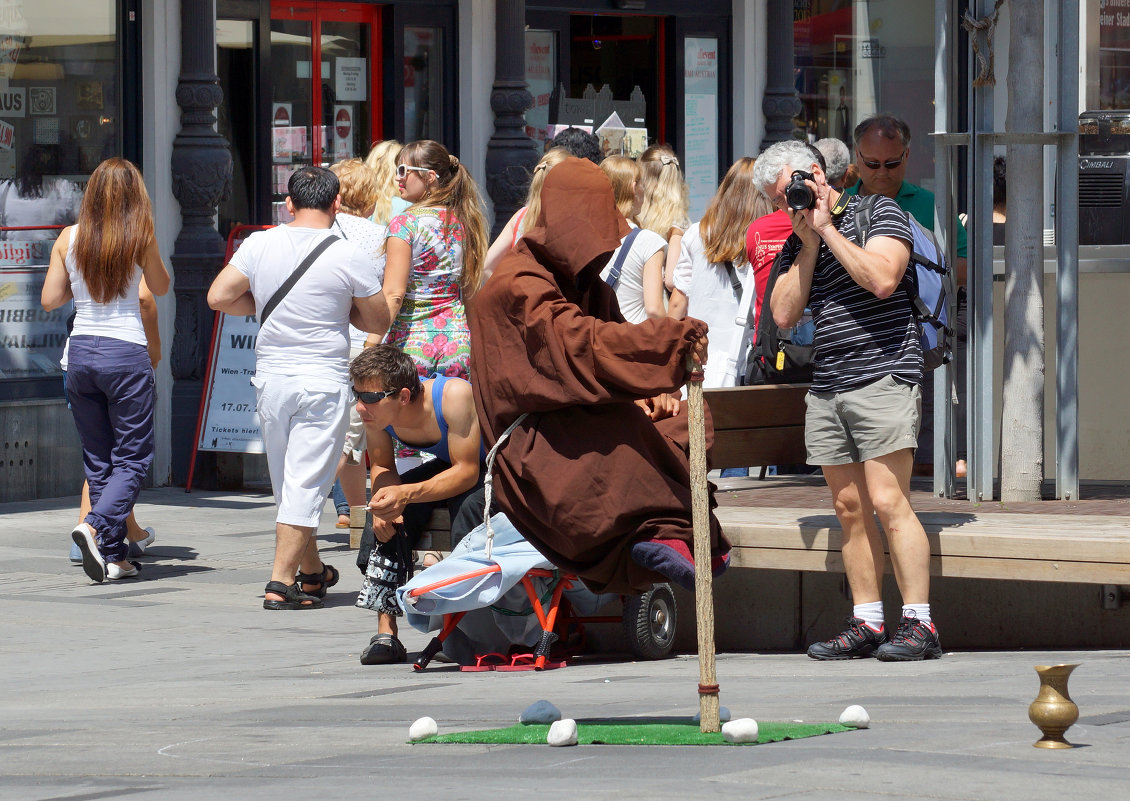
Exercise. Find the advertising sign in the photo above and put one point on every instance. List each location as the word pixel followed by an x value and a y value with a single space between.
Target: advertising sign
pixel 701 113
pixel 229 422
pixel 541 59
pixel 31 340
pixel 343 132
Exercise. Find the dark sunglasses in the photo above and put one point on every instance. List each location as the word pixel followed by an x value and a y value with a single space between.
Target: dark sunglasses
pixel 371 398
pixel 874 165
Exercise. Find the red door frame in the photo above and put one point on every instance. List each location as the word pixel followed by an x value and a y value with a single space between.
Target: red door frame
pixel 316 13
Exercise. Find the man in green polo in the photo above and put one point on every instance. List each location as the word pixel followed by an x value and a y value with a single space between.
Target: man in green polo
pixel 882 151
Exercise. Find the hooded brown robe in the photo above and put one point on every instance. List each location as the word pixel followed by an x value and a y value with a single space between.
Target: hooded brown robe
pixel 587 473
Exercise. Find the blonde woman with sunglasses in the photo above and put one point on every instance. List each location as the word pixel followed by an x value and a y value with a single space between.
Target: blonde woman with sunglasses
pixel 434 259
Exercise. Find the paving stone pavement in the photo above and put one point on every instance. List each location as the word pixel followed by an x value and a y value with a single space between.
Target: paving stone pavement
pixel 180 686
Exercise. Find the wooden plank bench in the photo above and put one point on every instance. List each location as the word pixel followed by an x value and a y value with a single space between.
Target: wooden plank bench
pixel 997 545
pixel 761 425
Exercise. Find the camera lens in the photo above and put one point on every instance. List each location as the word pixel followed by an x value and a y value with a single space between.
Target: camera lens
pixel 798 194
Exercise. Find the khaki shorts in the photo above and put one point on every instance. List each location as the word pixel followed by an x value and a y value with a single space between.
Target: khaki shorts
pixel 861 424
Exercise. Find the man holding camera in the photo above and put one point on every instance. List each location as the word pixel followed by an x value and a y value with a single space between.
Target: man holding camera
pixel 864 406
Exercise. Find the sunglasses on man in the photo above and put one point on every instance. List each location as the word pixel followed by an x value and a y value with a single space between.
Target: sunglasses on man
pixel 402 170
pixel 371 398
pixel 874 165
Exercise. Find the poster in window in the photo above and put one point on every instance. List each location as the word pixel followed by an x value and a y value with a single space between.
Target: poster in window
pixel 541 76
pixel 88 95
pixel 31 339
pixel 700 107
pixel 41 100
pixel 349 80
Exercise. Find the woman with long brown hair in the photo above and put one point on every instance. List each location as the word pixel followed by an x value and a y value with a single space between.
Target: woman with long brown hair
pixel 100 263
pixel 434 259
pixel 713 279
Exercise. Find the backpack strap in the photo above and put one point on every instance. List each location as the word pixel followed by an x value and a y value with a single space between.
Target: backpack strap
pixel 613 277
pixel 282 291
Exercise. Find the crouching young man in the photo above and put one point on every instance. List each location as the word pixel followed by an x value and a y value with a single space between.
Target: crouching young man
pixel 436 416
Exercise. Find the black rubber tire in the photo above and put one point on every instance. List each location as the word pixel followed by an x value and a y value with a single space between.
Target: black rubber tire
pixel 649 622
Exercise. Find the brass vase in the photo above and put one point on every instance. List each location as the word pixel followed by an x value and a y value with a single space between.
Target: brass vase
pixel 1053 711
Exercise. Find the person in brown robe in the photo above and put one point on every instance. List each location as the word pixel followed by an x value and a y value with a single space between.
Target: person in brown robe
pixel 597 477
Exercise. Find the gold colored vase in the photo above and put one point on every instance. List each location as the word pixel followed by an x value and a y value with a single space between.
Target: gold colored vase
pixel 1053 711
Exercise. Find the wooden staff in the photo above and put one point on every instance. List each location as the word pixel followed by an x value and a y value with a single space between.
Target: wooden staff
pixel 703 578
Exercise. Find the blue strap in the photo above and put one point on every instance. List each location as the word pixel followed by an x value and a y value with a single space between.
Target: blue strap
pixel 625 246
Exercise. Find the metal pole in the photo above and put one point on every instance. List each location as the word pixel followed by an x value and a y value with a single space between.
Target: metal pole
pixel 1067 255
pixel 944 451
pixel 979 420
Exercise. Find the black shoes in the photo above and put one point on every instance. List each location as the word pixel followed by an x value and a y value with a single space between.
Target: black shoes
pixel 913 641
pixel 857 642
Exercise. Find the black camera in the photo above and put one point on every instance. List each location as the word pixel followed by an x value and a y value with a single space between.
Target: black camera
pixel 798 194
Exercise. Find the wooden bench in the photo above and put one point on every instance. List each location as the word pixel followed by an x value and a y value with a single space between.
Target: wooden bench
pixel 765 425
pixel 997 545
pixel 762 425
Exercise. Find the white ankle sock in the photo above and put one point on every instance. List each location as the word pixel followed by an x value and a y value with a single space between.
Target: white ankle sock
pixel 871 614
pixel 920 611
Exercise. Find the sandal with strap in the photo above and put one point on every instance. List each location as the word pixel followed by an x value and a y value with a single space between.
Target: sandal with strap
pixel 384 649
pixel 293 597
pixel 323 581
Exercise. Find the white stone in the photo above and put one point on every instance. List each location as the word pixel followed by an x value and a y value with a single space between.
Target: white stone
pixel 742 730
pixel 422 729
pixel 539 712
pixel 562 732
pixel 723 715
pixel 856 717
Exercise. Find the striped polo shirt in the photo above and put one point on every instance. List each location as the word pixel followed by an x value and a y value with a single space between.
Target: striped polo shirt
pixel 859 338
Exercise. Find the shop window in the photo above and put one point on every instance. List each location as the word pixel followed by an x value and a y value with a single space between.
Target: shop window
pixel 1108 65
pixel 324 62
pixel 541 79
pixel 856 59
pixel 423 75
pixel 60 116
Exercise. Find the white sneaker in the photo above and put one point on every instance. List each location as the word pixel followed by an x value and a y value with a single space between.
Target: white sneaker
pixel 92 562
pixel 115 573
pixel 138 548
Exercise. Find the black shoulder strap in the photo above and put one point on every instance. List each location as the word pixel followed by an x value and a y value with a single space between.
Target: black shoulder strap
pixel 282 291
pixel 735 282
pixel 614 274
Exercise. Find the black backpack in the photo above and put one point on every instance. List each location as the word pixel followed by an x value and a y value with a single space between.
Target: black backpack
pixel 776 356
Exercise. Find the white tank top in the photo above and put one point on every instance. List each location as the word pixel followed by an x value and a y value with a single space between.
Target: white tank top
pixel 120 318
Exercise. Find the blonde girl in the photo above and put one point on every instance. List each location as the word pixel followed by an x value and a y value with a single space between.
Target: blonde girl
pixel 382 161
pixel 639 284
pixel 664 202
pixel 523 219
pixel 434 256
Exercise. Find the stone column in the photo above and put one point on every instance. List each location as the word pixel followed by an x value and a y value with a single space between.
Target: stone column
pixel 201 178
pixel 511 155
pixel 781 103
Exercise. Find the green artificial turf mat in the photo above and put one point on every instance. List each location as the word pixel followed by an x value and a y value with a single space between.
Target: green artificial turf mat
pixel 612 732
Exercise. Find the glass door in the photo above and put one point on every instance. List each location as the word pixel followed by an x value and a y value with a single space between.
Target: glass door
pixel 325 100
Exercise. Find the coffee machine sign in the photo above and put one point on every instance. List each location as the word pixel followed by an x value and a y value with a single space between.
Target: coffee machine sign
pixel 1096 164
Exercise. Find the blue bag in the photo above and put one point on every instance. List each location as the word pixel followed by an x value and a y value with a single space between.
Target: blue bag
pixel 929 285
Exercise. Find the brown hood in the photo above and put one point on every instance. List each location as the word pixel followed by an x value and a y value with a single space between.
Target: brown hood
pixel 579 226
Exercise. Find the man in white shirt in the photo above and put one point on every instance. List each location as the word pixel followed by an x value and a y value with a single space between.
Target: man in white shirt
pixel 301 367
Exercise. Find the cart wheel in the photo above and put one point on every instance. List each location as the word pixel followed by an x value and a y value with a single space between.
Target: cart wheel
pixel 649 622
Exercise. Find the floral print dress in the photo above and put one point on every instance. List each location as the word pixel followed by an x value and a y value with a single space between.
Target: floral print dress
pixel 431 326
